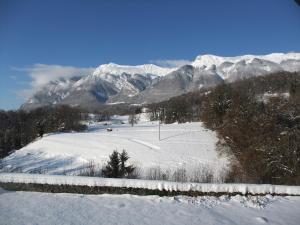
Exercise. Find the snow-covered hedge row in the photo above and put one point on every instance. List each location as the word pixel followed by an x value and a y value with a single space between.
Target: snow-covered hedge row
pixel 149 184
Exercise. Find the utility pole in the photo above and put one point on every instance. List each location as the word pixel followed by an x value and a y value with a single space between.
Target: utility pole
pixel 159 121
pixel 159 130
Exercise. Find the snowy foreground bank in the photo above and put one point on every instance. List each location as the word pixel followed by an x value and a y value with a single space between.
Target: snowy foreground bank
pixel 149 184
pixel 47 208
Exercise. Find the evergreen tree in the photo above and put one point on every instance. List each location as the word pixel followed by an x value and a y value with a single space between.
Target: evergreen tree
pixel 112 168
pixel 116 166
pixel 126 171
pixel 123 158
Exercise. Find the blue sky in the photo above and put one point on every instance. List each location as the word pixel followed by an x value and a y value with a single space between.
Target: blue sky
pixel 40 39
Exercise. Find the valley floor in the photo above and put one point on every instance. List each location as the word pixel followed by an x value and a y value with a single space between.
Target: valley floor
pixel 188 145
pixel 46 208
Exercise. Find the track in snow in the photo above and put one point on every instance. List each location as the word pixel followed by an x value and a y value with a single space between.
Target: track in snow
pixel 182 145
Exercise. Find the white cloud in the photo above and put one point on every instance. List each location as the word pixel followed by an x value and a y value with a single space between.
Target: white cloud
pixel 41 74
pixel 171 62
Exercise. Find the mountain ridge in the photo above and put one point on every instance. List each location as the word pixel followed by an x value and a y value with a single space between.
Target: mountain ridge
pixel 112 83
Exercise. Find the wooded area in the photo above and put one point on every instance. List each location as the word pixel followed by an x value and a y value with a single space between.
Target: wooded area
pixel 258 118
pixel 18 128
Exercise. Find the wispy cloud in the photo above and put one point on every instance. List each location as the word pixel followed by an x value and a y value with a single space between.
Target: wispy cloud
pixel 41 74
pixel 170 62
pixel 13 77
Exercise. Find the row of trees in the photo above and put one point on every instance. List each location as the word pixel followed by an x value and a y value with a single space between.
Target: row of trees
pixel 184 108
pixel 18 128
pixel 258 118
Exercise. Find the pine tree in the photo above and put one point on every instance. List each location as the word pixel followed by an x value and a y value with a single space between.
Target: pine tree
pixel 126 171
pixel 123 158
pixel 112 168
pixel 116 166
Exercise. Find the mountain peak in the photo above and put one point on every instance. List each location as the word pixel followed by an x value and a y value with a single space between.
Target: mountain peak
pixel 208 60
pixel 144 69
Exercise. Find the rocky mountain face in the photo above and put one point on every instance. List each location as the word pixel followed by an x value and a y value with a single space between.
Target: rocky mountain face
pixel 114 84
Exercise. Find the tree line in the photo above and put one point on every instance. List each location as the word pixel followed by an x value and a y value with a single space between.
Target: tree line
pixel 18 128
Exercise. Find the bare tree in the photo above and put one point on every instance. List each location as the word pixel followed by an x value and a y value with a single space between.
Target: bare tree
pixel 133 119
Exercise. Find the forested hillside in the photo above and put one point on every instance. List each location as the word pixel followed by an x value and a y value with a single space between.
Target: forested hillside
pixel 18 128
pixel 258 118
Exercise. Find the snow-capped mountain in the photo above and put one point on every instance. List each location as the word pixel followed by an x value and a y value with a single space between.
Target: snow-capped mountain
pixel 183 80
pixel 208 60
pixel 239 67
pixel 145 69
pixel 112 83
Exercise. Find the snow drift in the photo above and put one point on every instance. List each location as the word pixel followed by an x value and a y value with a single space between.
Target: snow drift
pixel 151 185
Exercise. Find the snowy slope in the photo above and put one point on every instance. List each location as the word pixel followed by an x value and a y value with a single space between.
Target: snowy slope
pixel 188 146
pixel 46 208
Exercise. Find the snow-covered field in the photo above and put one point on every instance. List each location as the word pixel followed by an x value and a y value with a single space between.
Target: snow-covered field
pixel 187 145
pixel 46 208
